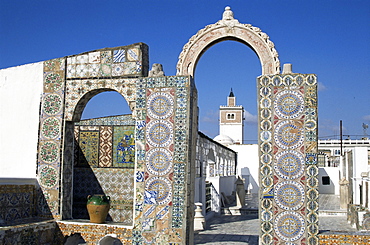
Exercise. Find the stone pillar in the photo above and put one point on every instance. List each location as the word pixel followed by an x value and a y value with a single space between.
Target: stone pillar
pixel 199 220
pixel 343 193
pixel 240 192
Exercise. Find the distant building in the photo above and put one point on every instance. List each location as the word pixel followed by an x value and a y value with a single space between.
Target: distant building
pixel 347 161
pixel 232 135
pixel 232 120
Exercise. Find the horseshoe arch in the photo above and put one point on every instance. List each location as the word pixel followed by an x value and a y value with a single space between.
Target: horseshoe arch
pixel 229 29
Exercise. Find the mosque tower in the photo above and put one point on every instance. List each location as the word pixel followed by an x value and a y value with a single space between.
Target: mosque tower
pixel 232 120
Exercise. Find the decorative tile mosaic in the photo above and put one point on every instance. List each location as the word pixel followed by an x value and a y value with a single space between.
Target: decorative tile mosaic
pixel 34 232
pixel 113 182
pixel 89 145
pixel 344 239
pixel 162 138
pixel 50 138
pixel 67 170
pixel 164 175
pixel 79 92
pixel 123 147
pixel 16 203
pixel 92 233
pixel 108 63
pixel 120 120
pixel 285 152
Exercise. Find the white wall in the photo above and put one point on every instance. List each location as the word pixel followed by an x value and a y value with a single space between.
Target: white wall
pixel 360 164
pixel 20 92
pixel 248 159
pixel 234 131
pixel 225 184
pixel 333 174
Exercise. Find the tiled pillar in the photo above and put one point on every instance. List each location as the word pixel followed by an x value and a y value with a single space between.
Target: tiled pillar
pixel 165 130
pixel 50 139
pixel 288 158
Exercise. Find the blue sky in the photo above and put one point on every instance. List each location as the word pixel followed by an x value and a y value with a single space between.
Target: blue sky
pixel 329 38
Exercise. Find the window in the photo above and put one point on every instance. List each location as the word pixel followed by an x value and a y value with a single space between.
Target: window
pixel 336 152
pixel 325 180
pixel 230 116
pixel 321 159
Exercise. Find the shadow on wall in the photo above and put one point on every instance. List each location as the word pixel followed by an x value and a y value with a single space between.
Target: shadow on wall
pixel 250 183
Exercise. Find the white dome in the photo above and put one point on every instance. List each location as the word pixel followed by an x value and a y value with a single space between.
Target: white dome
pixel 224 139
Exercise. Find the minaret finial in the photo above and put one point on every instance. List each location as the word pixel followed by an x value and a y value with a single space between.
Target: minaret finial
pixel 231 93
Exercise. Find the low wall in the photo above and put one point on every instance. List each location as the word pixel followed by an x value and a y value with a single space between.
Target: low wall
pixel 19 222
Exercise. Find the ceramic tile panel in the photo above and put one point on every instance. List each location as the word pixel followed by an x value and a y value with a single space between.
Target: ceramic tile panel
pixel 123 146
pixel 105 146
pixel 37 232
pixel 79 92
pixel 163 109
pixel 92 233
pixel 344 239
pixel 126 61
pixel 286 155
pixel 50 139
pixel 162 132
pixel 113 182
pixel 16 203
pixel 89 145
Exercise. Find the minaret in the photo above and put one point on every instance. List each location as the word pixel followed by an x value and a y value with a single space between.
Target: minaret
pixel 232 120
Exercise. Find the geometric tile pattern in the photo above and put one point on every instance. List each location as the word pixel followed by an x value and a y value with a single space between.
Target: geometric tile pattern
pixel 16 203
pixel 105 149
pixel 288 175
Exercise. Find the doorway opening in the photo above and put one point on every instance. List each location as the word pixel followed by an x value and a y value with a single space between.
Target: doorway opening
pixel 104 157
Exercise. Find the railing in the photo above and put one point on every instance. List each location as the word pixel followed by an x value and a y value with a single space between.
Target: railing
pixel 208 196
pixel 212 198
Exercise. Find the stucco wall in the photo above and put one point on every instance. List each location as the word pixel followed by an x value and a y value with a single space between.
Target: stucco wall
pixel 20 91
pixel 333 174
pixel 360 164
pixel 248 161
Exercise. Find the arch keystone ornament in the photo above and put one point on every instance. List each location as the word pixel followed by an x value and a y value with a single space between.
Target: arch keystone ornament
pixel 229 28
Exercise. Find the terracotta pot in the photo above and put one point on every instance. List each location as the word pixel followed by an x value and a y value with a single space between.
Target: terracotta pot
pixel 98 207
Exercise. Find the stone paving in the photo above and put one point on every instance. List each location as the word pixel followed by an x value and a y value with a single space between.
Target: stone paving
pixel 244 229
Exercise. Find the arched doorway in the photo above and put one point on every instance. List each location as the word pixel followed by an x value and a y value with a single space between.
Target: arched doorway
pixel 104 156
pixel 287 103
